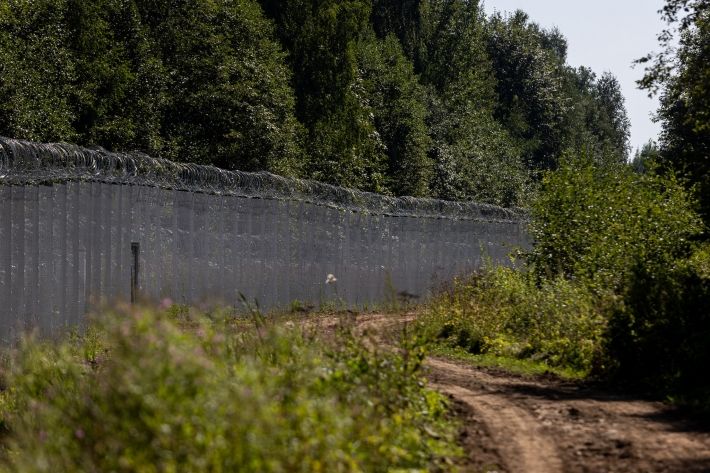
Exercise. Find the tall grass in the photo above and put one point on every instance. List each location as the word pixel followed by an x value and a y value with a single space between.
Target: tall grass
pixel 162 392
pixel 506 312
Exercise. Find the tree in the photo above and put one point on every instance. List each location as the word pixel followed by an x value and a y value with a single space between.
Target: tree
pixel 399 106
pixel 37 71
pixel 190 80
pixel 613 126
pixel 530 105
pixel 682 75
pixel 475 158
pixel 402 18
pixel 230 102
pixel 472 154
pixel 322 38
pixel 646 158
pixel 596 123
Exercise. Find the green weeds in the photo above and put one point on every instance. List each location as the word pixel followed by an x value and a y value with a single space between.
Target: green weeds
pixel 520 366
pixel 616 285
pixel 167 391
pixel 504 313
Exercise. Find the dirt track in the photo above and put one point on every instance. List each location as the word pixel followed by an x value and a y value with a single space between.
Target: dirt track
pixel 517 424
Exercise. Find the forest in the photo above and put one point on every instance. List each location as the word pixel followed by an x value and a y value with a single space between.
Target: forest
pixel 425 98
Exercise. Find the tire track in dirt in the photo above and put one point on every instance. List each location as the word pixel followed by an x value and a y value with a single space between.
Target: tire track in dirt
pixel 521 445
pixel 542 424
pixel 545 425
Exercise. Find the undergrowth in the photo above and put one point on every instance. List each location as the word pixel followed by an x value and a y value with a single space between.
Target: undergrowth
pixel 520 366
pixel 152 391
pixel 504 313
pixel 616 285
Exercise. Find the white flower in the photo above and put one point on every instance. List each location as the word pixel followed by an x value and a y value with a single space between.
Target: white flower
pixel 330 279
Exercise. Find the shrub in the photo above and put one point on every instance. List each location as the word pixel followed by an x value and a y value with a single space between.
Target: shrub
pixel 659 337
pixel 637 236
pixel 504 312
pixel 149 392
pixel 597 223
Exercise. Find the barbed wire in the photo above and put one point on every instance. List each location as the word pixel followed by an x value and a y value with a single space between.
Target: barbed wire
pixel 30 163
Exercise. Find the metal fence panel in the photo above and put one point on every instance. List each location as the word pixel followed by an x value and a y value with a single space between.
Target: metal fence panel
pixel 70 229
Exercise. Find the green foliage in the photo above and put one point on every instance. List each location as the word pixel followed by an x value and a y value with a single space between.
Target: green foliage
pixel 631 239
pixel 419 97
pixel 363 107
pixel 659 337
pixel 685 112
pixel 530 102
pixel 199 81
pixel 617 284
pixel 681 73
pixel 230 102
pixel 474 157
pixel 510 108
pixel 36 71
pixel 333 102
pixel 612 126
pixel 549 108
pixel 399 107
pixel 597 223
pixel 148 393
pixel 597 125
pixel 398 17
pixel 473 154
pixel 522 366
pixel 504 312
pixel 647 158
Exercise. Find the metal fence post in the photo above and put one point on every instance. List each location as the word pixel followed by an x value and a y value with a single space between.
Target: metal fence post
pixel 135 259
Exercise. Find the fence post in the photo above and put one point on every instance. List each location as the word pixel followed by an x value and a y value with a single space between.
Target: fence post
pixel 135 254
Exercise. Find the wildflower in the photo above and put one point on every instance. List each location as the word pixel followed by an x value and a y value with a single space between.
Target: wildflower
pixel 166 303
pixel 330 279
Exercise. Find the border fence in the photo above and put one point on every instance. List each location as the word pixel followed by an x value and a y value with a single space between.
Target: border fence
pixel 80 227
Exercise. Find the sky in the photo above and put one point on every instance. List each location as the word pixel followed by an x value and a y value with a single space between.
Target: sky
pixel 604 35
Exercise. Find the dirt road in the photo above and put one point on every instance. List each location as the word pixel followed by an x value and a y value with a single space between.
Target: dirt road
pixel 519 424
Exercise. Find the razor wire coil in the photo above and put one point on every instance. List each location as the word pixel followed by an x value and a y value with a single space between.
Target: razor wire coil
pixel 30 163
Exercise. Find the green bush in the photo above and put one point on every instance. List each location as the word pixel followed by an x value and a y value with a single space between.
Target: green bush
pixel 151 392
pixel 596 223
pixel 659 337
pixel 636 236
pixel 504 312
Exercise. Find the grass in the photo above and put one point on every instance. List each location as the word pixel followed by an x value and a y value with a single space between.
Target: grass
pixel 523 367
pixel 178 390
pixel 506 319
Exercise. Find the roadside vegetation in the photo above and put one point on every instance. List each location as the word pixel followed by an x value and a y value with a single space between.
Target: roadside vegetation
pixel 617 282
pixel 503 314
pixel 173 390
pixel 616 286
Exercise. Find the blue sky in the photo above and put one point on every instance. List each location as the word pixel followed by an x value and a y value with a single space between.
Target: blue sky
pixel 605 35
